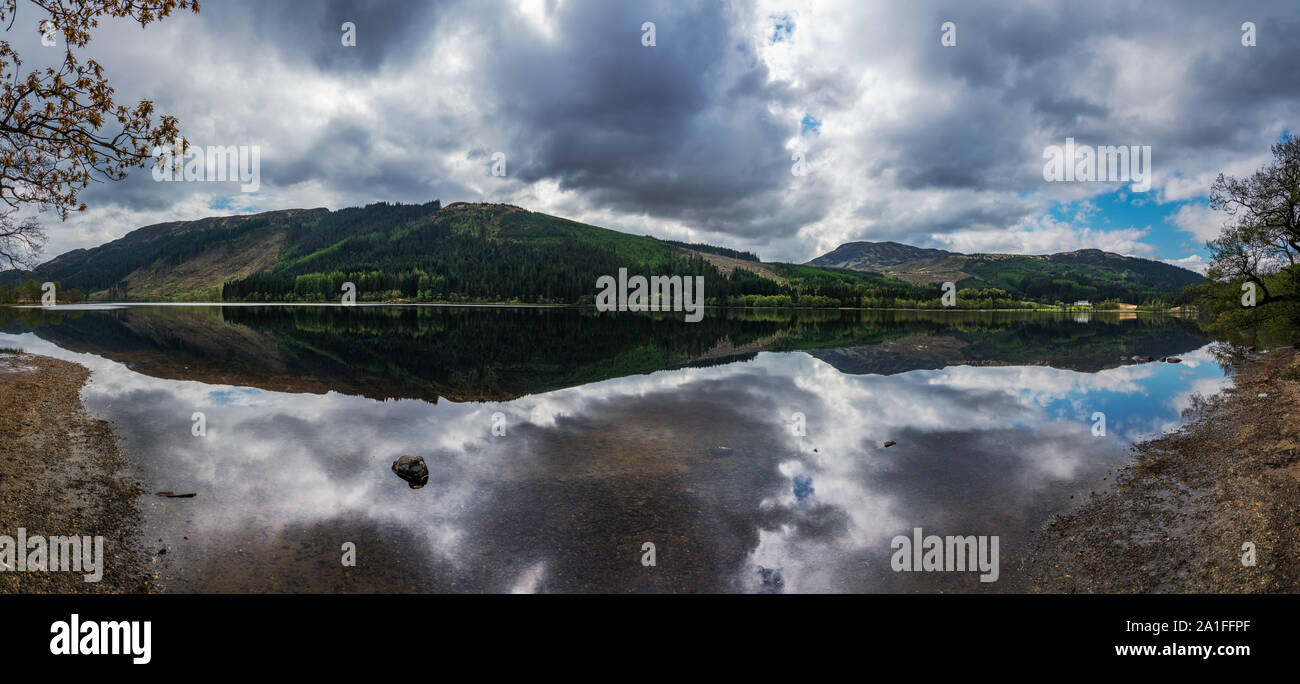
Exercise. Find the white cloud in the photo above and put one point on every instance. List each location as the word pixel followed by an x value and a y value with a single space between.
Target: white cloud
pixel 1192 263
pixel 1200 220
pixel 1045 235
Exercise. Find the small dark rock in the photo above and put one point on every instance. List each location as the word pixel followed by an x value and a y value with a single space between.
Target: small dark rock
pixel 890 443
pixel 1173 359
pixel 413 470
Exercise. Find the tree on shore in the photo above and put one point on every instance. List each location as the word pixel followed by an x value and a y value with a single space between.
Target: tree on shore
pixel 19 240
pixel 1257 253
pixel 60 128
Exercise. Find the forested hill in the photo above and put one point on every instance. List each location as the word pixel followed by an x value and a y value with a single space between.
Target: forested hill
pixel 459 253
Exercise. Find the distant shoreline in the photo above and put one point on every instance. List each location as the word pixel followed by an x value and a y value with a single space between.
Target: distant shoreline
pixel 521 305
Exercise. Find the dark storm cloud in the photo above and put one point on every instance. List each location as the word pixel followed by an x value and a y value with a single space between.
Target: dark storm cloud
pixel 936 149
pixel 963 216
pixel 1067 112
pixel 345 157
pixel 680 129
pixel 309 32
pixel 1244 86
pixel 1018 69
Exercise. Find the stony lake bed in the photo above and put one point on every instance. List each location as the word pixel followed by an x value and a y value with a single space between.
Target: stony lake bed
pixel 750 450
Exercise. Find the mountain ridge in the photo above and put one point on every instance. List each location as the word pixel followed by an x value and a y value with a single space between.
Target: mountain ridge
pixel 500 252
pixel 1030 275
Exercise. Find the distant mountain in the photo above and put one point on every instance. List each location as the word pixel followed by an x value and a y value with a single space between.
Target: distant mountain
pixel 873 256
pixel 1066 276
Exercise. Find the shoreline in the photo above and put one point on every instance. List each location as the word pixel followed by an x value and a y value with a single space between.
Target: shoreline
pixel 1184 513
pixel 62 473
pixel 520 305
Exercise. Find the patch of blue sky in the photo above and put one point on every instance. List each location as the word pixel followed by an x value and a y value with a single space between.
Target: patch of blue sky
pixel 221 203
pixel 1122 209
pixel 809 125
pixel 242 396
pixel 782 28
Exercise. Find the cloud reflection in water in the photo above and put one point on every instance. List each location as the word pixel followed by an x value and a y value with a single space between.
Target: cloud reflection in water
pixel 585 475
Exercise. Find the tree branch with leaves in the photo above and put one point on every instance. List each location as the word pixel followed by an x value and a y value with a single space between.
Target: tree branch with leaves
pixel 1259 245
pixel 1261 240
pixel 60 128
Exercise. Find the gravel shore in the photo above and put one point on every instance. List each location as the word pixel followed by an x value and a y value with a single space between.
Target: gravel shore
pixel 62 474
pixel 1181 513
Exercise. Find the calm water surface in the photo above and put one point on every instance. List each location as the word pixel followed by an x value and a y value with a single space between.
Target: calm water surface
pixel 611 427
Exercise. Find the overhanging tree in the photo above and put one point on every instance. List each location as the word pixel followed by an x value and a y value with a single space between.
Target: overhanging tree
pixel 1260 242
pixel 60 128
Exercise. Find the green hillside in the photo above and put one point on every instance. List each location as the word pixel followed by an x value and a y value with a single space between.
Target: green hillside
pixel 1085 274
pixel 459 253
pixel 1088 274
pixel 501 253
pixel 161 253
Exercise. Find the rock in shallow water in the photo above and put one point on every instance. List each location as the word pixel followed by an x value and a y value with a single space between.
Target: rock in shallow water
pixel 413 470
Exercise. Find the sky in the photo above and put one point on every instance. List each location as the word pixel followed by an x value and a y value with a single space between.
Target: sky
pixel 783 128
